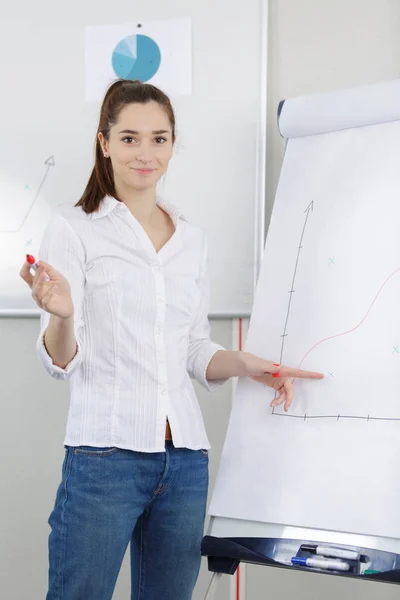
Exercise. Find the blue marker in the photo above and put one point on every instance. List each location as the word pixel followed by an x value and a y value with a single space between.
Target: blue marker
pixel 321 563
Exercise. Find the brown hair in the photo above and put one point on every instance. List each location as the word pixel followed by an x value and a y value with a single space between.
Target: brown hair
pixel 121 93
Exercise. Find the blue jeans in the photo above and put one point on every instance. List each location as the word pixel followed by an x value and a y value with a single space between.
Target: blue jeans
pixel 109 497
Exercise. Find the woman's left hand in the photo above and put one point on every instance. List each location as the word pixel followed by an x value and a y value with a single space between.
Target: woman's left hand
pixel 276 376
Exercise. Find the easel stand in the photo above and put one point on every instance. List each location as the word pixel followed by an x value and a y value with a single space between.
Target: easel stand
pixel 212 588
pixel 225 554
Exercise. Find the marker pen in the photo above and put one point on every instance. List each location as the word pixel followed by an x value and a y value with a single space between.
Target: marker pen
pixel 34 265
pixel 331 551
pixel 371 572
pixel 321 563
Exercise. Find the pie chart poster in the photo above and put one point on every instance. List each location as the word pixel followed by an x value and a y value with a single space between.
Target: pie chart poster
pixel 157 52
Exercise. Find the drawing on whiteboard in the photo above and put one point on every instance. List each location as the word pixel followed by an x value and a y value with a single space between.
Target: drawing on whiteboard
pixel 49 163
pixel 331 375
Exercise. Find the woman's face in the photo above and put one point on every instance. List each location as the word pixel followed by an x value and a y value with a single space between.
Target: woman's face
pixel 139 146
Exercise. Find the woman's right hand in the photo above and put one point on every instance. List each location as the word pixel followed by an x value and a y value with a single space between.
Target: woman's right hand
pixel 54 295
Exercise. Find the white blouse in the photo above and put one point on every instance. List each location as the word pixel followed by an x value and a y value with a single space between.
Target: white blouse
pixel 141 326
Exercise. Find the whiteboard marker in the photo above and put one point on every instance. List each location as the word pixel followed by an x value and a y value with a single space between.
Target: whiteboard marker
pixel 331 551
pixel 34 265
pixel 321 563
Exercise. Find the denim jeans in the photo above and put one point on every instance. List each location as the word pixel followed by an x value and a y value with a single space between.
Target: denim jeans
pixel 109 497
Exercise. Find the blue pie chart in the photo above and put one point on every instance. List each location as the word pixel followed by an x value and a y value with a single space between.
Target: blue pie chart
pixel 136 57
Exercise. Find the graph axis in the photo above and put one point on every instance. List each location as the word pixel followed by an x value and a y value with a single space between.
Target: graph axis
pixel 284 335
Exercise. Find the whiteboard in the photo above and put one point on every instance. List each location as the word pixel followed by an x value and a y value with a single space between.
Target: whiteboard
pixel 326 300
pixel 48 131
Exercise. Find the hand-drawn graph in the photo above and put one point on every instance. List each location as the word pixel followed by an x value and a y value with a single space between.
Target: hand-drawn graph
pixel 304 417
pixel 26 210
pixel 49 164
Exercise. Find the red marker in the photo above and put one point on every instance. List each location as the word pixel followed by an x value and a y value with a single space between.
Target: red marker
pixel 276 375
pixel 34 265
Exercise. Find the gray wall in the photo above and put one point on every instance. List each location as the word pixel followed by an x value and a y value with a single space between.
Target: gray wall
pixel 315 45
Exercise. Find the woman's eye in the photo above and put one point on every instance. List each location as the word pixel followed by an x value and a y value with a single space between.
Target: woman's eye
pixel 129 140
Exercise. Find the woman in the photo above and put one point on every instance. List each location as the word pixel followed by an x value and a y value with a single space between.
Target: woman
pixel 122 285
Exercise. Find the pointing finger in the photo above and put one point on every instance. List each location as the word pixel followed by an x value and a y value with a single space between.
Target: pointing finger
pixel 299 373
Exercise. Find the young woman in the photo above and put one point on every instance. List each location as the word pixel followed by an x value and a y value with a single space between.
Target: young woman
pixel 122 284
